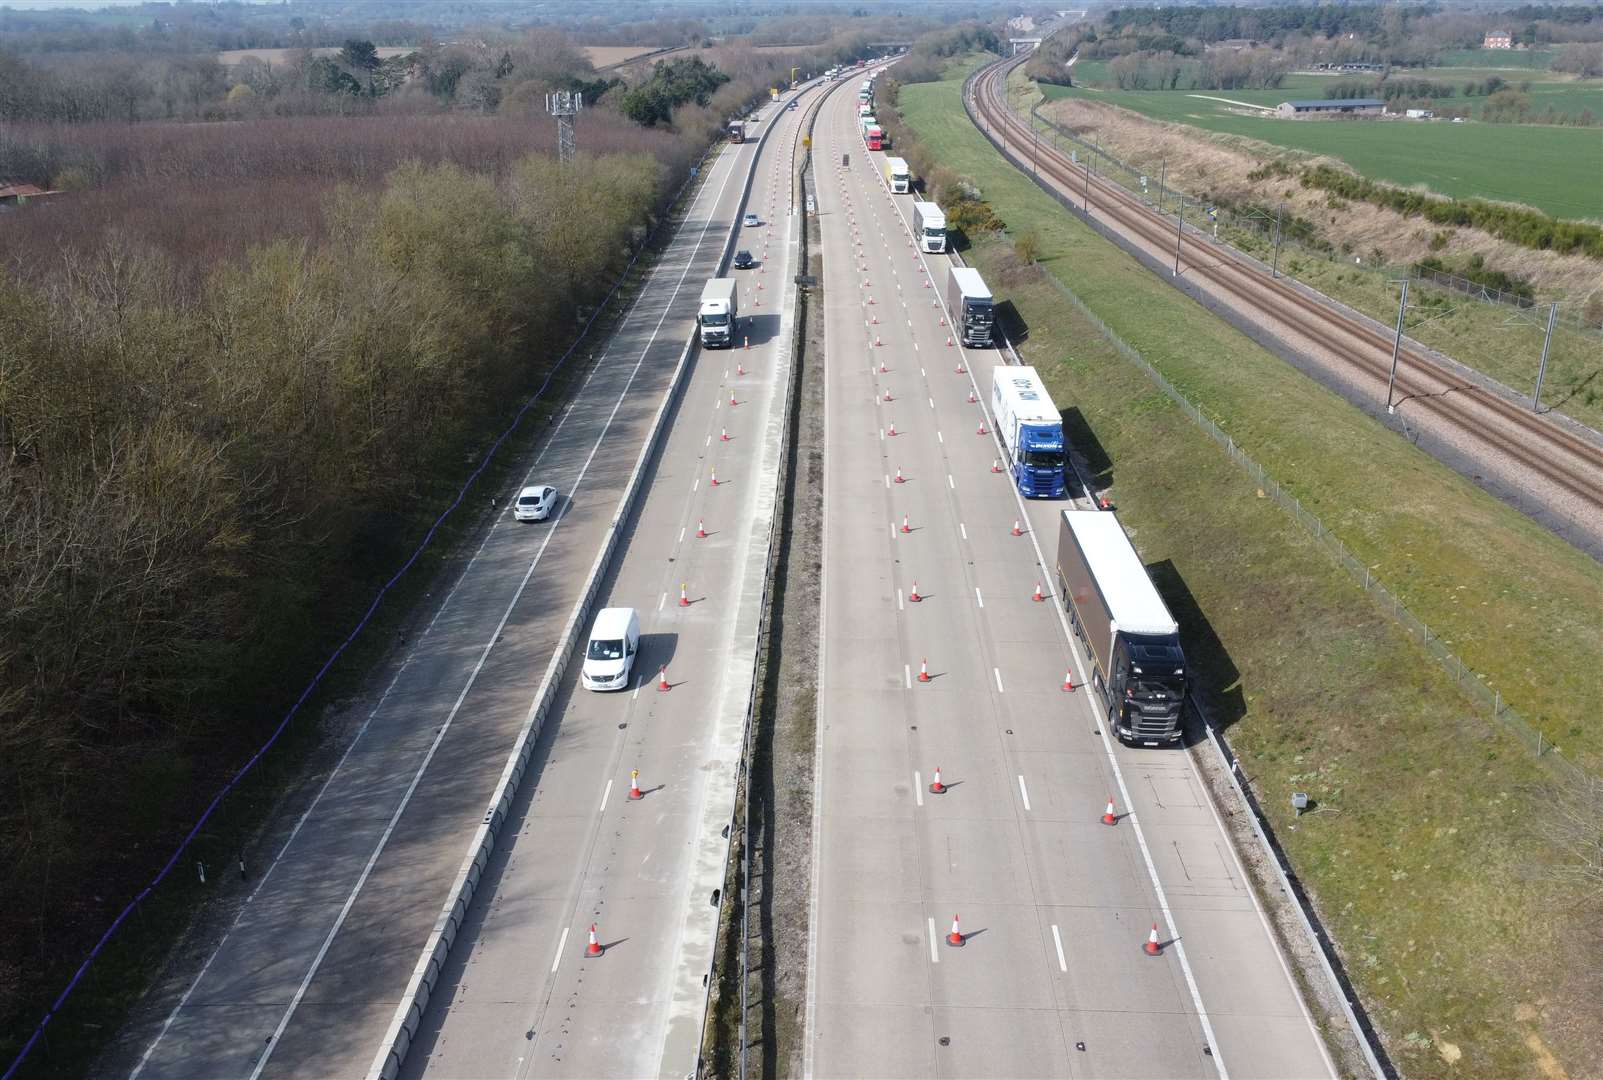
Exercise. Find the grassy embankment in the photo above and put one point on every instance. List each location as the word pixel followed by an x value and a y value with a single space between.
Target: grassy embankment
pixel 1425 858
pixel 1557 168
pixel 1498 340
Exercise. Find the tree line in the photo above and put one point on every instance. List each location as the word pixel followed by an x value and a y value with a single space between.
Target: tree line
pixel 199 484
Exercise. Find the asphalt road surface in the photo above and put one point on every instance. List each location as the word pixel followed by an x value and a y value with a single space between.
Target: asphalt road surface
pixel 1054 906
pixel 520 996
pixel 308 977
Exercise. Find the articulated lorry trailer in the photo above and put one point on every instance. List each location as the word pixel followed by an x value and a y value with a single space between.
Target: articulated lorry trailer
pixel 1138 669
pixel 1032 431
pixel 969 301
pixel 929 227
pixel 719 314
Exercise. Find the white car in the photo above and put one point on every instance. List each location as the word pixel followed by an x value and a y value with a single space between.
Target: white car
pixel 751 221
pixel 534 503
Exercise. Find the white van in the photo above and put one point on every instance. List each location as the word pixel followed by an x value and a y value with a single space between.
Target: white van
pixel 614 643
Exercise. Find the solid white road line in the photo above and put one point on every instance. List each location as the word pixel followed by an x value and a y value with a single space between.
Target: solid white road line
pixel 998 673
pixel 918 787
pixel 1024 792
pixel 978 599
pixel 562 947
pixel 1057 939
pixel 935 949
pixel 605 795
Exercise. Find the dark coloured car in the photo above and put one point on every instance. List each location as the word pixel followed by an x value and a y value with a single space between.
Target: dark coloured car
pixel 743 260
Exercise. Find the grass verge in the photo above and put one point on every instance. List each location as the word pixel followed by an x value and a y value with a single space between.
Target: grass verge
pixel 1426 855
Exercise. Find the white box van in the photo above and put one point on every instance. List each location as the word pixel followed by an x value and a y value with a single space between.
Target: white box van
pixel 609 657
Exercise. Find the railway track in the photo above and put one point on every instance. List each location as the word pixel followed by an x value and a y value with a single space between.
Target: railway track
pixel 1486 425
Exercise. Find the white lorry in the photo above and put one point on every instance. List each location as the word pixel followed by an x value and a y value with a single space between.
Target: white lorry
pixel 1031 429
pixel 719 314
pixel 929 227
pixel 898 176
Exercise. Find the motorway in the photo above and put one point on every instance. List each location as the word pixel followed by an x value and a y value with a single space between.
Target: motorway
pixel 520 997
pixel 1051 978
pixel 307 978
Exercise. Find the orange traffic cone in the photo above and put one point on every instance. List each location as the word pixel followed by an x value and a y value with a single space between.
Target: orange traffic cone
pixel 594 948
pixel 684 598
pixel 971 398
pixel 899 478
pixel 740 369
pixel 956 936
pixel 913 596
pixel 1037 597
pixel 1016 530
pixel 982 430
pixel 892 429
pixel 960 370
pixel 936 787
pixel 996 465
pixel 905 527
pixel 701 529
pixel 923 670
pixel 634 785
pixel 1152 947
pixel 662 679
pixel 1108 815
pixel 725 436
pixel 1068 682
pixel 888 395
pixel 732 401
pixel 882 368
pixel 715 476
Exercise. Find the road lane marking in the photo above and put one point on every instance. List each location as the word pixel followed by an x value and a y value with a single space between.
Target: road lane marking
pixel 931 401
pixel 605 795
pixel 935 952
pixel 661 600
pixel 918 787
pixel 907 675
pixel 978 599
pixel 899 600
pixel 695 485
pixel 998 673
pixel 964 530
pixel 681 534
pixel 562 947
pixel 940 438
pixel 1024 791
pixel 950 482
pixel 1057 939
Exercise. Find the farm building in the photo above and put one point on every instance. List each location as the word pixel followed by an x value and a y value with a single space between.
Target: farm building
pixel 1498 39
pixel 1332 107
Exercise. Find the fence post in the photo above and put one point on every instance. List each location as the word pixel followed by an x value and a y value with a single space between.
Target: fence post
pixel 1541 371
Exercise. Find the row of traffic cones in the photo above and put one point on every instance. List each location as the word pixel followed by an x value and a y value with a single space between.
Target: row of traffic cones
pixel 956 939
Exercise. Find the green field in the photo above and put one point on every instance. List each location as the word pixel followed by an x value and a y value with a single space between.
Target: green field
pixel 1554 169
pixel 1426 868
pixel 1497 59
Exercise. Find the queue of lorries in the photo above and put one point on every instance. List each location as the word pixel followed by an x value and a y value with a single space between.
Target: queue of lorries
pixel 1138 669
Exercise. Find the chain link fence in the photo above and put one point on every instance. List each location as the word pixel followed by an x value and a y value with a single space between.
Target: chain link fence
pixel 1472 683
pixel 1262 229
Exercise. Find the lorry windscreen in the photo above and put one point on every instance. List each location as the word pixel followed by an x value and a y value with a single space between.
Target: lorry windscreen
pixel 715 320
pixel 1046 459
pixel 934 232
pixel 1155 688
